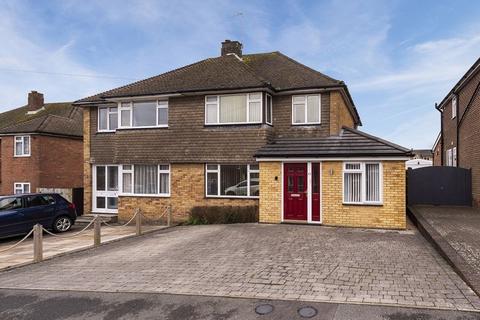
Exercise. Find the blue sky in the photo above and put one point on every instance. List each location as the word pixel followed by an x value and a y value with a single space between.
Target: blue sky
pixel 397 57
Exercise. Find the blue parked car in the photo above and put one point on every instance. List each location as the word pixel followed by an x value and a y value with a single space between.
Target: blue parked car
pixel 19 213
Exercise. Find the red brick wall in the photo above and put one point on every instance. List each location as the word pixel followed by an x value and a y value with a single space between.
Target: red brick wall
pixel 54 163
pixel 61 162
pixel 437 154
pixel 449 129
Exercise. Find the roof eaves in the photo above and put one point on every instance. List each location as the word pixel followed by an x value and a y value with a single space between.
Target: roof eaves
pixel 369 136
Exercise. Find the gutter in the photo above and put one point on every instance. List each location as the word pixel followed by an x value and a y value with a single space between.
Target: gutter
pixel 437 106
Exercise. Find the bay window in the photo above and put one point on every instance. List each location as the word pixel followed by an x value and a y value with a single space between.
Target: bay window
pixel 107 118
pixel 146 180
pixel 233 109
pixel 22 146
pixel 362 183
pixel 144 114
pixel 306 109
pixel 232 180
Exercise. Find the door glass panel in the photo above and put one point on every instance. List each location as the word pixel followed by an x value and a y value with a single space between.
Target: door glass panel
pixel 100 178
pixel 112 179
pixel 290 184
pixel 101 202
pixel 315 178
pixel 301 182
pixel 112 203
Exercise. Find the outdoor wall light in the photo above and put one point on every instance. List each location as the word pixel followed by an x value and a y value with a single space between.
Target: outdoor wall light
pixel 331 172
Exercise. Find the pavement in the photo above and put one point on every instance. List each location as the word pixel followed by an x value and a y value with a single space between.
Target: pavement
pixel 61 305
pixel 61 244
pixel 455 231
pixel 281 262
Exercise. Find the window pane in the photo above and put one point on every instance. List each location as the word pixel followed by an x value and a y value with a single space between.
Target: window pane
pixel 125 118
pixel 212 99
pixel 269 109
pixel 372 176
pixel 253 167
pixel 18 148
pixel 113 120
pixel 36 201
pixel 112 203
pixel 212 167
pixel 164 167
pixel 255 96
pixel 254 186
pixel 231 178
pixel 102 119
pixel 127 167
pixel 26 145
pixel 353 187
pixel 298 113
pixel 313 110
pixel 26 188
pixel 255 112
pixel 211 113
pixel 101 202
pixel 315 178
pixel 10 203
pixel 162 116
pixel 144 114
pixel 100 178
pixel 127 182
pixel 352 166
pixel 301 184
pixel 164 183
pixel 112 183
pixel 145 179
pixel 299 99
pixel 212 183
pixel 233 109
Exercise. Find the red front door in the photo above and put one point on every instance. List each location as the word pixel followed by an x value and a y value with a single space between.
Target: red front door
pixel 295 191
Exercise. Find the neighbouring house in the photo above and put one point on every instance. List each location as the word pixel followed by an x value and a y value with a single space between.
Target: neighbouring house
pixel 41 148
pixel 460 127
pixel 421 158
pixel 437 151
pixel 240 130
pixel 425 154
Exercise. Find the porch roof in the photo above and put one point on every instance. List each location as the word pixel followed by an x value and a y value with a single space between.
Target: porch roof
pixel 350 143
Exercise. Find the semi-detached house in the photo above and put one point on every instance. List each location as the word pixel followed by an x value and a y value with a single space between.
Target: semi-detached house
pixel 240 130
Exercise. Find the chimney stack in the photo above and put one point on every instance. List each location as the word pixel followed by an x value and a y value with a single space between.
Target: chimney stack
pixel 231 47
pixel 35 101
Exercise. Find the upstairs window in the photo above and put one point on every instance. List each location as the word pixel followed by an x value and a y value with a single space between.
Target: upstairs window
pixel 362 183
pixel 306 109
pixel 107 118
pixel 22 146
pixel 269 111
pixel 144 114
pixel 454 107
pixel 21 187
pixel 233 109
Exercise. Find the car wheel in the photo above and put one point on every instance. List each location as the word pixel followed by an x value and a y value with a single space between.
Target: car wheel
pixel 62 224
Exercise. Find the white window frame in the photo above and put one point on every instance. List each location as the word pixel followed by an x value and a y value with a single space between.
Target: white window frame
pixel 363 182
pixel 109 111
pixel 449 157
pixel 22 140
pixel 454 156
pixel 454 106
pixel 305 97
pixel 161 104
pixel 269 108
pixel 217 171
pixel 21 186
pixel 217 103
pixel 132 172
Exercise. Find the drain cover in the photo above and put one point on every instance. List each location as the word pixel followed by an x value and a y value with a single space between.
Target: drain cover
pixel 263 309
pixel 307 312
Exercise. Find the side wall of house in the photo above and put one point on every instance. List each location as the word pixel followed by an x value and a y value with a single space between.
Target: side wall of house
pixel 87 168
pixel 449 129
pixel 61 162
pixel 437 154
pixel 187 191
pixel 19 169
pixel 339 114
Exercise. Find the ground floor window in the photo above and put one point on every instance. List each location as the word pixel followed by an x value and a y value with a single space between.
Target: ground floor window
pixel 362 182
pixel 146 179
pixel 232 180
pixel 21 187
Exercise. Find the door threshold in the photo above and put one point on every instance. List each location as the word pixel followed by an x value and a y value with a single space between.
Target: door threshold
pixel 301 222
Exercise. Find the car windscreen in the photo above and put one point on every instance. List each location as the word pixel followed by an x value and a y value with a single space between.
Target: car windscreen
pixel 10 203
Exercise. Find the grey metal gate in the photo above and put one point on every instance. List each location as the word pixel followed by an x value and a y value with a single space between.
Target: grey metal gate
pixel 439 186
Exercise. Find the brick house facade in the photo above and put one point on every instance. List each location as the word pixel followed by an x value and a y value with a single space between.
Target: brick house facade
pixel 51 156
pixel 207 140
pixel 459 141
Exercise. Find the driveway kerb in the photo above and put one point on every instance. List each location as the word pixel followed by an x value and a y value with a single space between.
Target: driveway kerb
pixel 459 265
pixel 91 247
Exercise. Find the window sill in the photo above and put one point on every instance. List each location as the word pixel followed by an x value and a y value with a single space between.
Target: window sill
pixel 22 156
pixel 232 197
pixel 308 124
pixel 232 124
pixel 140 128
pixel 371 204
pixel 144 195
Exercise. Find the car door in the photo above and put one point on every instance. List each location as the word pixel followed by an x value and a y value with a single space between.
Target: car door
pixel 12 220
pixel 39 209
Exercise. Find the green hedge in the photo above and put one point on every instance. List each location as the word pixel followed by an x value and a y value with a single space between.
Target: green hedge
pixel 222 215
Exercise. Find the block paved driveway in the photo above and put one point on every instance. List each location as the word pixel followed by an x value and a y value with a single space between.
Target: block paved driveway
pixel 308 263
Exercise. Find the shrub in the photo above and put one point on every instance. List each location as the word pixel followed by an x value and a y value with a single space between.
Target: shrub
pixel 223 215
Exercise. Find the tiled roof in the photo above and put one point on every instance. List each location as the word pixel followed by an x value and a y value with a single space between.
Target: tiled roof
pixel 55 118
pixel 350 143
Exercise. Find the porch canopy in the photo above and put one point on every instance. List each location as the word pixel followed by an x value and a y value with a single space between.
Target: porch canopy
pixel 350 143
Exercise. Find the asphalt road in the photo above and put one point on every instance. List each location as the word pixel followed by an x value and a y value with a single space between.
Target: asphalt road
pixel 52 305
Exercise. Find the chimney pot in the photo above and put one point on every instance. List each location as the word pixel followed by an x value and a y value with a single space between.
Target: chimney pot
pixel 35 101
pixel 229 46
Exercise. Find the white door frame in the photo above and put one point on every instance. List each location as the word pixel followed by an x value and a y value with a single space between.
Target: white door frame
pixel 104 193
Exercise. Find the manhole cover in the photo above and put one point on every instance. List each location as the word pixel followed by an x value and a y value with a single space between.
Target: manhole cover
pixel 307 312
pixel 264 309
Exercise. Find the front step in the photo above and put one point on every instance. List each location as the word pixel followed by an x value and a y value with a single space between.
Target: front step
pixel 87 218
